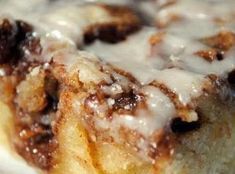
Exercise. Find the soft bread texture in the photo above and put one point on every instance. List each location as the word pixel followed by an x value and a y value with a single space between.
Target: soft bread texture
pixel 114 114
pixel 215 140
pixel 210 149
pixel 77 152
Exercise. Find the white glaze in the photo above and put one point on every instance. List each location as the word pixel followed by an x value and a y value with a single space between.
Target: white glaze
pixel 60 20
pixel 146 62
pixel 171 62
pixel 200 9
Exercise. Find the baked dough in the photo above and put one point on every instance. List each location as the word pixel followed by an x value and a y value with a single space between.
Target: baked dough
pixel 86 88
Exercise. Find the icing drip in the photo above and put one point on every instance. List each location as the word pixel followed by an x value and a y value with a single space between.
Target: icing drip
pixel 165 61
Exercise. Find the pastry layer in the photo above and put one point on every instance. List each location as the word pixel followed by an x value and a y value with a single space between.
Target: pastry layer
pixel 159 101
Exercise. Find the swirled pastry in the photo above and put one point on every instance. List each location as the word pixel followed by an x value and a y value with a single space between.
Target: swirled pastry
pixel 88 88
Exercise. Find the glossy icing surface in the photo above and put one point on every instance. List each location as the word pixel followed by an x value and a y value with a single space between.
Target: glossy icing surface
pixel 164 55
pixel 171 62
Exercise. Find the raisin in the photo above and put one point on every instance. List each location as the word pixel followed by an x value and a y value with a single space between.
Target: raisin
pixel 7 40
pixel 24 30
pixel 220 55
pixel 15 40
pixel 231 77
pixel 43 137
pixel 180 126
pixel 126 101
pixel 51 88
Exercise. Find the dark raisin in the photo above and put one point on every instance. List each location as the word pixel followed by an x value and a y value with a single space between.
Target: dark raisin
pixel 231 77
pixel 51 88
pixel 25 41
pixel 105 33
pixel 220 55
pixel 52 102
pixel 180 126
pixel 23 30
pixel 15 40
pixel 44 137
pixel 126 101
pixel 7 40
